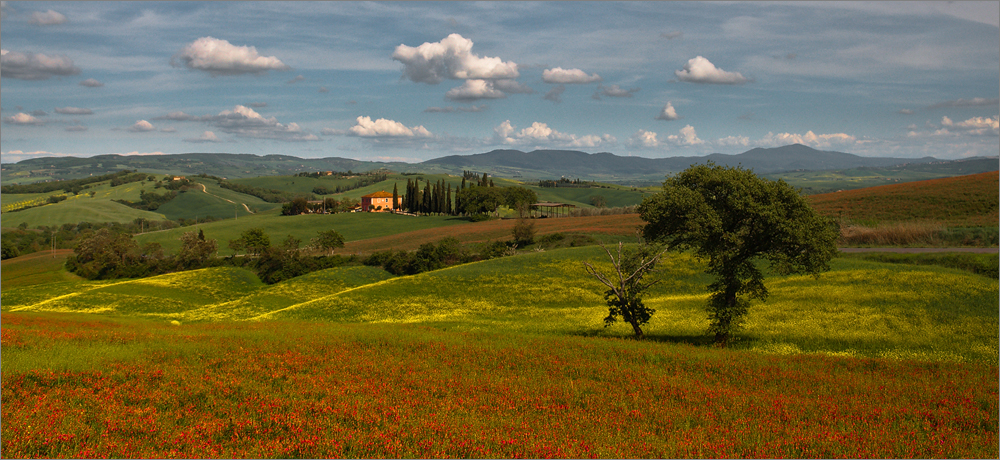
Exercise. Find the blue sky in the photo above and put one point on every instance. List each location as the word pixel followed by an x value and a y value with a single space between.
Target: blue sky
pixel 414 81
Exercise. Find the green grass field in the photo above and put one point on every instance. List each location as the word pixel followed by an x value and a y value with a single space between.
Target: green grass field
pixel 353 226
pixel 860 308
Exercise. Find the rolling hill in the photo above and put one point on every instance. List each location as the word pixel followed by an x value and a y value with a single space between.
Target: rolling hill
pixel 538 164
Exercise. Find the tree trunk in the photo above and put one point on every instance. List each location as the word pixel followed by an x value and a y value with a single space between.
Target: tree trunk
pixel 638 331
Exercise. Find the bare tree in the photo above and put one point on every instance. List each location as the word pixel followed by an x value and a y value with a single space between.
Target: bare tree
pixel 626 285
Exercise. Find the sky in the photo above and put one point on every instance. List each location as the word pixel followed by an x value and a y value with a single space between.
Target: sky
pixel 414 81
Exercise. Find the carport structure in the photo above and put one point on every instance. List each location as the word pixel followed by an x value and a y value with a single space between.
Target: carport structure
pixel 550 209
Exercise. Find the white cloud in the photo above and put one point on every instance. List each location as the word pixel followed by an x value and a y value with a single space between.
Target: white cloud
pixel 297 79
pixel 91 83
pixel 473 90
pixel 905 111
pixel 76 128
pixel 687 136
pixel 206 136
pixel 700 70
pixel 141 126
pixel 568 76
pixel 975 126
pixel 809 138
pixel 23 119
pixel 451 58
pixel 668 113
pixel 246 122
pixel 73 111
pixel 48 18
pixel 643 139
pixel 219 57
pixel 382 127
pixel 168 130
pixel 31 66
pixel 539 134
pixel 733 141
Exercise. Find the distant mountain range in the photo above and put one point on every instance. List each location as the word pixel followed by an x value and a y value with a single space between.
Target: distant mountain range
pixel 538 164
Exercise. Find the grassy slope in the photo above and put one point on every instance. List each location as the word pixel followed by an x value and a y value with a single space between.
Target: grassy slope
pixel 963 201
pixel 37 268
pixel 859 308
pixel 78 209
pixel 622 226
pixel 354 226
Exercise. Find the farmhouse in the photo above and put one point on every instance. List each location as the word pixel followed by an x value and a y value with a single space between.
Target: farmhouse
pixel 379 202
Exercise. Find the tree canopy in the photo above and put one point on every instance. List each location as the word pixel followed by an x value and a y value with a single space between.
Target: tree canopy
pixel 734 219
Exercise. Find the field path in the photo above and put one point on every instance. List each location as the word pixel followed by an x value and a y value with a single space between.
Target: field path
pixel 205 189
pixel 921 250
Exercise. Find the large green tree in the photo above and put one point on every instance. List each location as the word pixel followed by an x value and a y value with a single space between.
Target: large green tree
pixel 736 219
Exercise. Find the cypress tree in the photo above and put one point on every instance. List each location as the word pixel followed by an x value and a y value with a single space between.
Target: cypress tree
pixel 427 197
pixel 395 195
pixel 447 201
pixel 483 182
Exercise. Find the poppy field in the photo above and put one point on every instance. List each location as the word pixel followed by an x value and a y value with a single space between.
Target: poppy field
pixel 320 389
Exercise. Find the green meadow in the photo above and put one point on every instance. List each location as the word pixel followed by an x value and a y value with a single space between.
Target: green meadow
pixel 860 308
pixel 353 226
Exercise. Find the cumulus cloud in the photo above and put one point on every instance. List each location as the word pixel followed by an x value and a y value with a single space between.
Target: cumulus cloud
pixel 449 109
pixel 76 128
pixel 975 125
pixel 246 122
pixel 687 136
pixel 383 128
pixel 668 113
pixel 906 112
pixel 568 76
pixel 322 89
pixel 297 79
pixel 141 126
pixel 219 57
pixel 473 90
pixel 48 18
pixel 539 134
pixel 91 83
pixel 614 91
pixel 23 119
pixel 672 35
pixel 243 121
pixel 555 94
pixel 700 70
pixel 643 139
pixel 809 138
pixel 205 137
pixel 73 111
pixel 257 105
pixel 450 58
pixel 32 66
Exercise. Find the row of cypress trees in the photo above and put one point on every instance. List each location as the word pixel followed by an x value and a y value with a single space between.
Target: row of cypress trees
pixel 434 198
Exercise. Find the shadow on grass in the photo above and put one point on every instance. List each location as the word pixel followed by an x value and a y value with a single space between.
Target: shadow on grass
pixel 697 340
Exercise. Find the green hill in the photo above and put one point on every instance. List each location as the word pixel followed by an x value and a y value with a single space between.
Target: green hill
pixel 353 226
pixel 860 308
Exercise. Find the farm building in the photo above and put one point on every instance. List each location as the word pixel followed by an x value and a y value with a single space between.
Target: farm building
pixel 379 201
